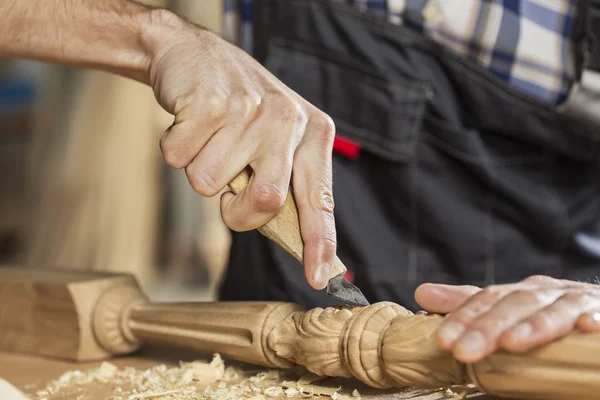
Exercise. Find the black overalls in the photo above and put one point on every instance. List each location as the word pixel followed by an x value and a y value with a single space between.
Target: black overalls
pixel 461 178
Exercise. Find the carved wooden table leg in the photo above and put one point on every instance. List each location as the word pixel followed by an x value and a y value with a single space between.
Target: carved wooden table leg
pixel 383 345
pixel 85 317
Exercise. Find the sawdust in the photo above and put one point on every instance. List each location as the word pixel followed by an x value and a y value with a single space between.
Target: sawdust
pixel 188 381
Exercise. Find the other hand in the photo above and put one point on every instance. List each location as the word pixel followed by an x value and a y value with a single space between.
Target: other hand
pixel 516 317
pixel 230 112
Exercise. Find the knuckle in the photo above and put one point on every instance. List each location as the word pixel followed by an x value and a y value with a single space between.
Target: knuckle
pixel 527 297
pixel 492 292
pixel 320 199
pixel 490 326
pixel 324 125
pixel 268 196
pixel 538 279
pixel 170 155
pixel 172 160
pixel 163 17
pixel 579 298
pixel 324 200
pixel 300 117
pixel 217 107
pixel 203 183
pixel 468 314
pixel 462 317
pixel 543 322
pixel 290 112
pixel 242 108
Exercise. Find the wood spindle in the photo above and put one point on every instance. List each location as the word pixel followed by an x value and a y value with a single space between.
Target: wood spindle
pixel 235 330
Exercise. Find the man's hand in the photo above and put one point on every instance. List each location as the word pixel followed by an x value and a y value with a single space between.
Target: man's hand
pixel 229 113
pixel 516 317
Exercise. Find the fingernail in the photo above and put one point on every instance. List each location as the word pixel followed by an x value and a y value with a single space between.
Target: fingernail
pixel 471 344
pixel 521 331
pixel 450 332
pixel 321 275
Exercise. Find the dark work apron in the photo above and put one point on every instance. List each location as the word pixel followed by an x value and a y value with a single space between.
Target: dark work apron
pixel 461 178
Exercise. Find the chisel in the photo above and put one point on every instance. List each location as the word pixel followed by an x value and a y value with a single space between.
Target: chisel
pixel 284 229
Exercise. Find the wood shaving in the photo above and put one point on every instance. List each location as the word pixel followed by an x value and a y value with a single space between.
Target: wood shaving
pixel 189 381
pixel 460 392
pixel 155 395
pixel 309 378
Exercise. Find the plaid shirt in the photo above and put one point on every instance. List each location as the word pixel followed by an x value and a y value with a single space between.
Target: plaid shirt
pixel 526 43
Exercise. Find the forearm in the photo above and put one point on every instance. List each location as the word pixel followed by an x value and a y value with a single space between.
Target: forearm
pixel 111 35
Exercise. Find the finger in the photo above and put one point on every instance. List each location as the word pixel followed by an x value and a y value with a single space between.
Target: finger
pixel 227 151
pixel 483 335
pixel 457 323
pixel 552 322
pixel 273 137
pixel 260 201
pixel 443 299
pixel 312 184
pixel 193 127
pixel 589 322
pixel 223 157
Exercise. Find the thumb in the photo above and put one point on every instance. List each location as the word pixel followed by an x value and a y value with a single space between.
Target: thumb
pixel 443 299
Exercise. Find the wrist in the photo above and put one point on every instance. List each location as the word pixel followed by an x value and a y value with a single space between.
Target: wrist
pixel 160 31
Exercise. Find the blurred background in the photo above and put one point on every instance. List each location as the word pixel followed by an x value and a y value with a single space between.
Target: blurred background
pixel 83 183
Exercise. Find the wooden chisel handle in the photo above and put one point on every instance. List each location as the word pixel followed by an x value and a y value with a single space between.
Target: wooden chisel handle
pixel 284 227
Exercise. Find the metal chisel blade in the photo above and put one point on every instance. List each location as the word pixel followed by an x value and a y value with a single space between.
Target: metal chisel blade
pixel 340 288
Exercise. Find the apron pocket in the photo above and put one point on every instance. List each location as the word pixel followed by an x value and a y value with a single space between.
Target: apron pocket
pixel 381 116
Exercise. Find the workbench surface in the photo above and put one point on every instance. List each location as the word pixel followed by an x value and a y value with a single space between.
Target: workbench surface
pixel 30 373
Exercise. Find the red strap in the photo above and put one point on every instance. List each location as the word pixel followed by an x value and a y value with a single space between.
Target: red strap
pixel 346 147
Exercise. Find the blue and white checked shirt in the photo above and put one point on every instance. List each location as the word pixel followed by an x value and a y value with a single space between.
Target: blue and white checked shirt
pixel 526 43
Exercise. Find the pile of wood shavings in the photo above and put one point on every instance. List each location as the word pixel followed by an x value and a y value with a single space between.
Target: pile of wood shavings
pixel 189 381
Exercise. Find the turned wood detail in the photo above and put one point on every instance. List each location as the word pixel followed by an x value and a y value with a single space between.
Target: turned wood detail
pixel 383 345
pixel 111 316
